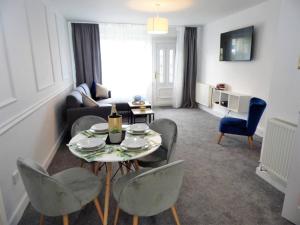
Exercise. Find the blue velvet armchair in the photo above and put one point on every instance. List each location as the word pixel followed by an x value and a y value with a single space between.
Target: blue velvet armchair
pixel 230 125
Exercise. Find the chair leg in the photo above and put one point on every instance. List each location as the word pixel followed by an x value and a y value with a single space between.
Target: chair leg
pixel 66 219
pixel 135 220
pixel 250 141
pixel 175 215
pixel 81 163
pixel 128 166
pixel 220 138
pixel 121 168
pixel 136 165
pixel 42 220
pixel 99 210
pixel 117 215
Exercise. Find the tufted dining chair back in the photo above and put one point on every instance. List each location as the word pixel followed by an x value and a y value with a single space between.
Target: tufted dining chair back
pixel 85 123
pixel 47 195
pixel 168 130
pixel 153 191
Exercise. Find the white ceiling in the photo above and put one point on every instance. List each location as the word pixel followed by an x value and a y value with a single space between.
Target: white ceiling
pixel 179 12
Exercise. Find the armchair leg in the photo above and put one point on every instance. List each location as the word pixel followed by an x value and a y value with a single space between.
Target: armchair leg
pixel 220 138
pixel 66 219
pixel 250 141
pixel 117 216
pixel 135 220
pixel 99 210
pixel 42 220
pixel 175 215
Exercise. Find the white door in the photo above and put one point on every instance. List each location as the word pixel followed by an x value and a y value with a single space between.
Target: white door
pixel 164 68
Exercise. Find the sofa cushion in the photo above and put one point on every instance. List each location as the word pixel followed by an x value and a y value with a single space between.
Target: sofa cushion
pixel 88 101
pixel 74 99
pixel 121 103
pixel 84 87
pixel 101 91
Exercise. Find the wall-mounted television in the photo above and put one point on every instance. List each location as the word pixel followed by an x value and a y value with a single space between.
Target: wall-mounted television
pixel 237 45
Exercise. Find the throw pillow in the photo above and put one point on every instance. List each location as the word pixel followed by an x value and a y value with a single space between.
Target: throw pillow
pixel 101 91
pixel 88 101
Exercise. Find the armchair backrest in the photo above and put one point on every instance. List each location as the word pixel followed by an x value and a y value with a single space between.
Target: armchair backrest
pixel 85 123
pixel 47 195
pixel 256 109
pixel 153 191
pixel 168 130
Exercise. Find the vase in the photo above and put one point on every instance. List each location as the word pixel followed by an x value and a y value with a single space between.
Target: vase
pixel 115 137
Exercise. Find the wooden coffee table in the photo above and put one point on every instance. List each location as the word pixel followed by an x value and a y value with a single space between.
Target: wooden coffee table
pixel 148 113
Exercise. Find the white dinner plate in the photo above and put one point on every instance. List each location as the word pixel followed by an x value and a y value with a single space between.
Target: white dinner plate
pixel 134 143
pixel 138 133
pixel 139 127
pixel 90 143
pixel 100 127
pixel 135 149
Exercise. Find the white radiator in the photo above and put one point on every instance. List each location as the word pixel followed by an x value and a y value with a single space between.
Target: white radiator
pixel 277 146
pixel 203 94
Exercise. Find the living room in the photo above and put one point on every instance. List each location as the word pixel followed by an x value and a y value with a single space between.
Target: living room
pixel 231 118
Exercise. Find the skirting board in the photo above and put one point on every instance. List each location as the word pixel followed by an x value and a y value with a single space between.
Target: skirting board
pixel 271 179
pixel 18 213
pixel 259 131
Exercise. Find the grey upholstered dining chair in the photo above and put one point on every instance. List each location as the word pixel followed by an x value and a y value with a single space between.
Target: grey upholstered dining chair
pixel 148 192
pixel 61 194
pixel 168 130
pixel 85 123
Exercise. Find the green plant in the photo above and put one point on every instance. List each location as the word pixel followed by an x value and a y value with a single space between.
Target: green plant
pixel 115 130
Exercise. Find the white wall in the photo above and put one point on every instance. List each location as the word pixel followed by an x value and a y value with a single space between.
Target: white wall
pixel 252 78
pixel 36 75
pixel 284 97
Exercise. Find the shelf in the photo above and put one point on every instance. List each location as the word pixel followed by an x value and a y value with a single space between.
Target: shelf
pixel 232 101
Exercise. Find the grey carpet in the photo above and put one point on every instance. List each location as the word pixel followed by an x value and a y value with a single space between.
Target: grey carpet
pixel 220 184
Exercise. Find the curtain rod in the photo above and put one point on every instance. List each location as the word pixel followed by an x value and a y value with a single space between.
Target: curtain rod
pixel 94 22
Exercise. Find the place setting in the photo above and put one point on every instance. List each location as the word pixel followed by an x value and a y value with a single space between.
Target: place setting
pixel 97 130
pixel 140 129
pixel 89 148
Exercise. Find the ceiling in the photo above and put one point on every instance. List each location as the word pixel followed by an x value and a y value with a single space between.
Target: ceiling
pixel 179 12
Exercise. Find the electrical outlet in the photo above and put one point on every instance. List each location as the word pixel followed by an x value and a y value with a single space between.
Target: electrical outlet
pixel 15 177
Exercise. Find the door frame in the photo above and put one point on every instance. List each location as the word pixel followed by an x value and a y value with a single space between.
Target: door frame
pixel 155 42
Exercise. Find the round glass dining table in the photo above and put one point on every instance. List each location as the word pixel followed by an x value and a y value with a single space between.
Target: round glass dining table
pixel 112 153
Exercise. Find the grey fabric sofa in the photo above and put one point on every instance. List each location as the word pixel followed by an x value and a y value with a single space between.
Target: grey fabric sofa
pixel 75 108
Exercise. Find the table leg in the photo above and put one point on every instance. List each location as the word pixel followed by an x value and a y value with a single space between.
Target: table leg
pixel 107 192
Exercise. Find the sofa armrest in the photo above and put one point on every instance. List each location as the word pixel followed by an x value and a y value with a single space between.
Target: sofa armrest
pixel 75 113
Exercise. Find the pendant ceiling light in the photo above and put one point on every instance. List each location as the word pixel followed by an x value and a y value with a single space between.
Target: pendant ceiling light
pixel 157 25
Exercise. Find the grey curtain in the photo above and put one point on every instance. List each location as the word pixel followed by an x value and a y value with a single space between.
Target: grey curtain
pixel 189 68
pixel 87 57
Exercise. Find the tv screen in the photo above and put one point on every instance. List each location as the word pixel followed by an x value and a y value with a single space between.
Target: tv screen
pixel 237 45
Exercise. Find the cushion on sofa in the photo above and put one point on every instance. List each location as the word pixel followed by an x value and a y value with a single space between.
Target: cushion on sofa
pixel 74 99
pixel 88 101
pixel 85 88
pixel 121 103
pixel 101 91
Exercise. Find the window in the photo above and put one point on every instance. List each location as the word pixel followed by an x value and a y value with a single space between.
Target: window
pixel 126 56
pixel 171 66
pixel 161 66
